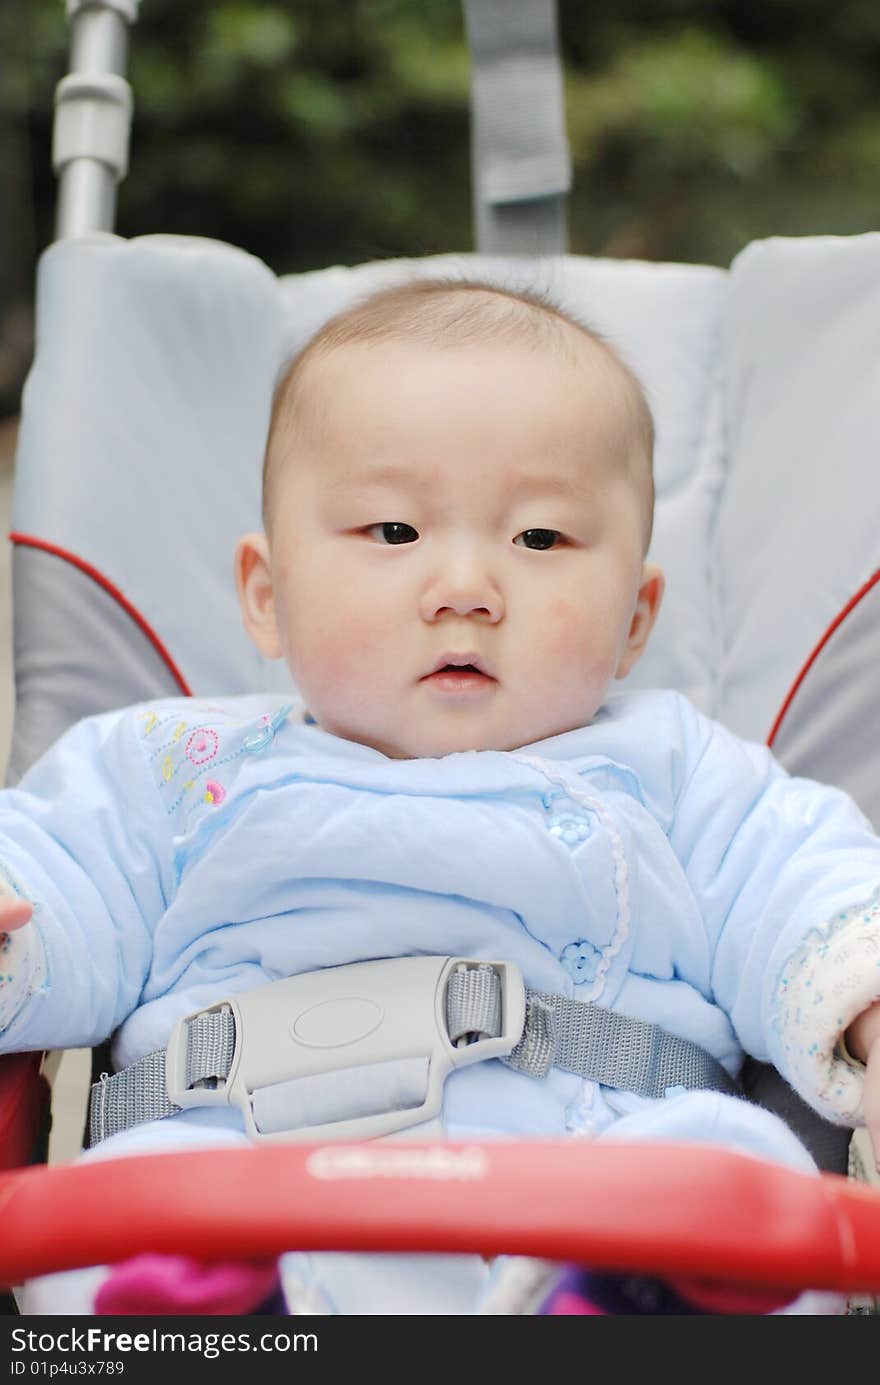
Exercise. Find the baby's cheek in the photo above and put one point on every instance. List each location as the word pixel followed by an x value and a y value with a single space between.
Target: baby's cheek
pixel 342 646
pixel 565 628
pixel 577 648
pixel 562 612
pixel 327 655
pixel 556 648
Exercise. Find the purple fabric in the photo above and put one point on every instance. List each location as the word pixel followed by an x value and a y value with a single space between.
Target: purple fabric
pixel 584 1292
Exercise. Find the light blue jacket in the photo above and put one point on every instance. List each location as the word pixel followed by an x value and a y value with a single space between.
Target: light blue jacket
pixel 651 861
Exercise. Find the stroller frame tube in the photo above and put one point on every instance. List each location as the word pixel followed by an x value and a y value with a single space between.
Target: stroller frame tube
pixel 93 108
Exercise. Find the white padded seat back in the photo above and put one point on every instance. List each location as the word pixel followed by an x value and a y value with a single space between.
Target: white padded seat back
pixel 145 417
pixel 799 528
pixel 143 424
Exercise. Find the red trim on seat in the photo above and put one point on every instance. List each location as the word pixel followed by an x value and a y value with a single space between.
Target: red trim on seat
pixel 24 1105
pixel 29 541
pixel 836 622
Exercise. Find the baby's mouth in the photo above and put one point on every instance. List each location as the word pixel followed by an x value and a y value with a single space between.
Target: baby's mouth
pixel 465 660
pixel 458 675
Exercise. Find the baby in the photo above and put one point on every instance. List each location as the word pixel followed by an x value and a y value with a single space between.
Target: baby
pixel 458 505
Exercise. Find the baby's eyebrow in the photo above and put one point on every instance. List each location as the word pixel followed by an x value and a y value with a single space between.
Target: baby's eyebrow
pixel 549 482
pixel 387 475
pixel 521 483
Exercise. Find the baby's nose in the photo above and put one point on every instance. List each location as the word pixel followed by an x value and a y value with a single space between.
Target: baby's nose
pixel 468 608
pixel 465 593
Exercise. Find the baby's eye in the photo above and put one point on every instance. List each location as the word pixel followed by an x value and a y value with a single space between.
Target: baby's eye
pixel 538 538
pixel 392 531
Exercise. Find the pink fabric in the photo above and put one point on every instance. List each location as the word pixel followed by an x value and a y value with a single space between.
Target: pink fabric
pixel 178 1285
pixel 569 1304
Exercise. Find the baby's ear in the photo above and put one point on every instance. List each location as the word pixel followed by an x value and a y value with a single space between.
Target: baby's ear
pixel 256 595
pixel 647 609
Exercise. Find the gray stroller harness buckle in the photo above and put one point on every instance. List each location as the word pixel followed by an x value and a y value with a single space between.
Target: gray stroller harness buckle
pixel 375 1040
pixel 364 1050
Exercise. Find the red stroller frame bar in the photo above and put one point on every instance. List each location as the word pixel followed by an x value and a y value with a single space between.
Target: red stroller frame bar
pixel 615 1206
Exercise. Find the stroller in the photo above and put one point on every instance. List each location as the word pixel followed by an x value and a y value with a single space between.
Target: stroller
pixel 763 381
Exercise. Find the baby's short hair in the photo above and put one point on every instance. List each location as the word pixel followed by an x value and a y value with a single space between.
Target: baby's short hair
pixel 464 312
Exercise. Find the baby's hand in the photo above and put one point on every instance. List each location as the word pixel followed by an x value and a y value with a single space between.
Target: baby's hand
pixel 15 912
pixel 863 1042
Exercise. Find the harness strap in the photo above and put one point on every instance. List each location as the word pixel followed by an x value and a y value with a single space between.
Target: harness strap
pixel 612 1049
pixel 598 1044
pixel 593 1042
pixel 139 1093
pixel 521 164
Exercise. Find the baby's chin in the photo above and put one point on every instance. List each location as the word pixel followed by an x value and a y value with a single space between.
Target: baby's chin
pixel 436 743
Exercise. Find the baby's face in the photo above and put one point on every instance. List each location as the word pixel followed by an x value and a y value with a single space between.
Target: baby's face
pixel 452 507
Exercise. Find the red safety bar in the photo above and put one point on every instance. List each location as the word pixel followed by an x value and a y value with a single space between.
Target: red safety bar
pixel 675 1209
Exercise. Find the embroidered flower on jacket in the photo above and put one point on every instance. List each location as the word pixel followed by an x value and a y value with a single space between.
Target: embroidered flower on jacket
pixel 214 792
pixel 202 745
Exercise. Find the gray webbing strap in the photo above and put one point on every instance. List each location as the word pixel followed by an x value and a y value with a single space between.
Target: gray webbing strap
pixel 612 1049
pixel 473 1003
pixel 521 163
pixel 138 1093
pixel 595 1043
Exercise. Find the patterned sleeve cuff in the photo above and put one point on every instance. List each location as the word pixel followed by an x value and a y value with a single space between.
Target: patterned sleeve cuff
pixel 824 986
pixel 22 970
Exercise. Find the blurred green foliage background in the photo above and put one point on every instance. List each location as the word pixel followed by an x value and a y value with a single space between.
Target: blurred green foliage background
pixel 316 132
